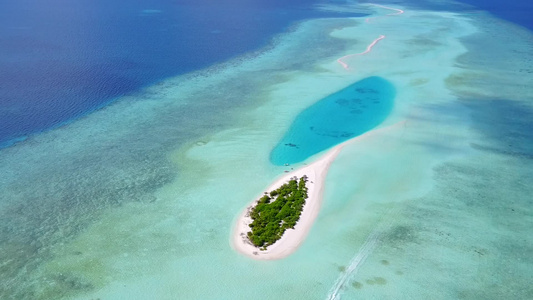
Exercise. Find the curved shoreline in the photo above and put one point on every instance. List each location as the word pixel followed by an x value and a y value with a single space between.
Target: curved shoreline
pixel 292 238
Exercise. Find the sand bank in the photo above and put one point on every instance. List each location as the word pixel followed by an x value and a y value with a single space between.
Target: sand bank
pixel 292 238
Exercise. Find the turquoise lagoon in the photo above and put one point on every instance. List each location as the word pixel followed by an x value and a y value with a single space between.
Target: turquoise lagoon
pixel 338 117
pixel 137 200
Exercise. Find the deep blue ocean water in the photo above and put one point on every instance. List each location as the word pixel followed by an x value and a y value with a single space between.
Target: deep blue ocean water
pixel 343 115
pixel 516 11
pixel 61 59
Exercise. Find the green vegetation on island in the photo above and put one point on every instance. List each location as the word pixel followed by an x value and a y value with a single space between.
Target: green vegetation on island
pixel 276 212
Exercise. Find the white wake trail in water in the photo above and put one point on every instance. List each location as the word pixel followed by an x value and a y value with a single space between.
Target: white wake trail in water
pixel 356 261
pixel 360 256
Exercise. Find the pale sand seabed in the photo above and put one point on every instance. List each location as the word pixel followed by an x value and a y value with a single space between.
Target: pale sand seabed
pixel 413 212
pixel 458 239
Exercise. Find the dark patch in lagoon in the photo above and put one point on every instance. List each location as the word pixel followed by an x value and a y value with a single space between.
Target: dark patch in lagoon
pixel 291 145
pixel 401 234
pixel 338 117
pixel 377 280
pixel 385 262
pixel 72 282
pixel 357 285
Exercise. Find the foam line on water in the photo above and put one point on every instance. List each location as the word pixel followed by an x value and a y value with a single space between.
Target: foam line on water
pixel 354 265
pixel 360 256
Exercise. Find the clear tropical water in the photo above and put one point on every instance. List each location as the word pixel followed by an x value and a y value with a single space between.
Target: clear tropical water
pixel 136 200
pixel 516 11
pixel 61 60
pixel 335 119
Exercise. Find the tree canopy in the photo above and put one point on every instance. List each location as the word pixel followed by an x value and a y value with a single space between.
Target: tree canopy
pixel 277 211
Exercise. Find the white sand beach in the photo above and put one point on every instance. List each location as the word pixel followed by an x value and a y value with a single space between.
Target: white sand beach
pixel 292 238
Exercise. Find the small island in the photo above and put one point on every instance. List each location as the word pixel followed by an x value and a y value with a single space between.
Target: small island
pixel 285 216
pixel 276 212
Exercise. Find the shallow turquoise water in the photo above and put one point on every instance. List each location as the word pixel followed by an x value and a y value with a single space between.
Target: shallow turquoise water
pixel 138 200
pixel 341 116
